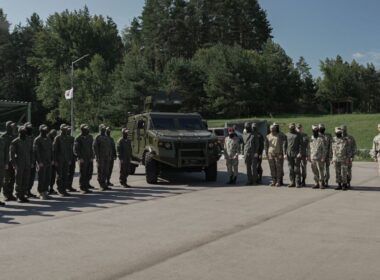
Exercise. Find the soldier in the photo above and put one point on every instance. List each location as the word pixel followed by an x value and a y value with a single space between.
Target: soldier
pixel 72 163
pixel 304 152
pixel 113 158
pixel 252 153
pixel 4 160
pixel 52 134
pixel 231 154
pixel 274 148
pixel 353 150
pixel 124 153
pixel 21 155
pixel 283 137
pixel 103 154
pixel 63 155
pixel 341 157
pixel 43 150
pixel 375 151
pixel 247 151
pixel 293 155
pixel 316 155
pixel 83 151
pixel 32 176
pixel 9 180
pixel 260 153
pixel 328 141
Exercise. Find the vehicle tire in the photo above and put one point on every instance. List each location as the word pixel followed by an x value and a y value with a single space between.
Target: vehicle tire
pixel 211 172
pixel 151 169
pixel 132 169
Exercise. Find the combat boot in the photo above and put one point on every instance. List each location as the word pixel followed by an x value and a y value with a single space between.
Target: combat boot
pixel 303 183
pixel 349 185
pixel 43 196
pixel 71 189
pixel 2 203
pixel 52 191
pixel 30 195
pixel 281 182
pixel 273 183
pixel 339 187
pixel 109 184
pixel 316 186
pixel 22 199
pixel 230 181
pixel 323 186
pixel 291 185
pixel 234 180
pixel 344 187
pixel 10 198
pixel 278 184
pixel 327 183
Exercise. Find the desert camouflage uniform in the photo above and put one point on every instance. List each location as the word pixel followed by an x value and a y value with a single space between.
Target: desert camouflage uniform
pixel 328 143
pixel 231 154
pixel 317 153
pixel 375 151
pixel 275 146
pixel 341 156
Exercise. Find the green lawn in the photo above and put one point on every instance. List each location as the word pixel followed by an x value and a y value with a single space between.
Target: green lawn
pixel 362 126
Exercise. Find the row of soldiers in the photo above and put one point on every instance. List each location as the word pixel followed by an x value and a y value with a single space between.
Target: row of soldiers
pixel 320 149
pixel 54 155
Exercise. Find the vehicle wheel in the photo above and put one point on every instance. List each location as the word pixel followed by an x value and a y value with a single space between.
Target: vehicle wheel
pixel 132 169
pixel 211 172
pixel 151 169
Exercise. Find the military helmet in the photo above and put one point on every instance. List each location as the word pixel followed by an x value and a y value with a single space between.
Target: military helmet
pixel 298 125
pixel 338 129
pixel 42 127
pixel 321 125
pixel 343 127
pixel 63 126
pixel 254 125
pixel 292 125
pixel 314 126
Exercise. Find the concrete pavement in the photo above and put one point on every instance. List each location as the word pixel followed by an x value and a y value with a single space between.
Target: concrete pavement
pixel 185 228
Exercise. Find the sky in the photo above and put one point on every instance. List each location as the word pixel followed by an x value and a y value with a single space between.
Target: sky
pixel 314 29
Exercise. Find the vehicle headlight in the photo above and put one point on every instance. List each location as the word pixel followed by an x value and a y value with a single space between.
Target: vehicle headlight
pixel 166 145
pixel 211 145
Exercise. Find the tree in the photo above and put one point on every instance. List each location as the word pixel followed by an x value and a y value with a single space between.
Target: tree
pixel 307 86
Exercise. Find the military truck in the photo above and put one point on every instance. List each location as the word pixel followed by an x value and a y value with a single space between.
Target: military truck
pixel 175 141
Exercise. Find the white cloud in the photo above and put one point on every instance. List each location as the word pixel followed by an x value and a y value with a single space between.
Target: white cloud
pixel 358 55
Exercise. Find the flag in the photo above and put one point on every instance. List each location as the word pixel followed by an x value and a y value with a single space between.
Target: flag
pixel 69 93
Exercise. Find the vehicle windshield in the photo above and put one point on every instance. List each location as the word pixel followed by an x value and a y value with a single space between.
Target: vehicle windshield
pixel 181 123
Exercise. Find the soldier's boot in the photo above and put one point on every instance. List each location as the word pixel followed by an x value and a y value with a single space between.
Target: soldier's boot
pixel 278 184
pixel 22 199
pixel 281 181
pixel 30 195
pixel 273 183
pixel 299 185
pixel 64 194
pixel 291 185
pixel 43 196
pixel 303 183
pixel 52 191
pixel 71 189
pixel 348 184
pixel 2 203
pixel 10 198
pixel 344 187
pixel 259 178
pixel 322 186
pixel 230 180
pixel 327 183
pixel 109 184
pixel 91 187
pixel 316 186
pixel 339 187
pixel 234 180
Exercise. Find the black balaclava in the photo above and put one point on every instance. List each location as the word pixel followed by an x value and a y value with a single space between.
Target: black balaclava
pixel 102 130
pixel 29 129
pixel 84 129
pixel 315 132
pixel 292 129
pixel 108 131
pixel 22 133
pixel 254 128
pixel 125 133
pixel 277 128
pixel 339 134
pixel 322 130
pixel 64 131
pixel 247 127
pixel 43 131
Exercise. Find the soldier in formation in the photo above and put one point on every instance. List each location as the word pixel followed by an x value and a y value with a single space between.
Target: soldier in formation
pixel 304 152
pixel 231 154
pixel 317 155
pixel 328 144
pixel 9 178
pixel 341 148
pixel 251 152
pixel 275 147
pixel 124 153
pixel 375 151
pixel 113 156
pixel 353 150
pixel 293 155
pixel 52 134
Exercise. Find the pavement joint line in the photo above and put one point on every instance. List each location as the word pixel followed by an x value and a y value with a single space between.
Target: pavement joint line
pixel 166 256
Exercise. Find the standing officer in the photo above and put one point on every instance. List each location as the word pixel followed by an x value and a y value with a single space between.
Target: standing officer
pixel 52 134
pixel 63 155
pixel 341 157
pixel 4 159
pixel 30 137
pixel 283 139
pixel 304 152
pixel 316 155
pixel 260 153
pixel 253 153
pixel 124 153
pixel 274 148
pixel 9 181
pixel 83 151
pixel 293 155
pixel 72 163
pixel 21 155
pixel 353 150
pixel 247 151
pixel 328 142
pixel 103 154
pixel 231 154
pixel 375 151
pixel 113 158
pixel 42 147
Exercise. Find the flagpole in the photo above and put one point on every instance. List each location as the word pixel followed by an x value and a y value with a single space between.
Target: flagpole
pixel 72 94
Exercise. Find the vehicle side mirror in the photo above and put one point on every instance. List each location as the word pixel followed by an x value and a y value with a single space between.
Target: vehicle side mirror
pixel 141 124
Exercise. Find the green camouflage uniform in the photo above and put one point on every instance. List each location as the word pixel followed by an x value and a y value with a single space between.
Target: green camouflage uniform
pixel 304 152
pixel 275 146
pixel 341 156
pixel 251 155
pixel 231 154
pixel 124 153
pixel 103 153
pixel 42 147
pixel 317 153
pixel 328 142
pixel 293 151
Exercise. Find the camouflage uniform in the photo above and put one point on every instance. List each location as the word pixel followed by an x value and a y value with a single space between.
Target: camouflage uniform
pixel 293 154
pixel 341 156
pixel 304 153
pixel 317 153
pixel 231 154
pixel 352 149
pixel 275 146
pixel 283 136
pixel 103 154
pixel 124 153
pixel 9 180
pixel 251 155
pixel 375 151
pixel 260 159
pixel 328 141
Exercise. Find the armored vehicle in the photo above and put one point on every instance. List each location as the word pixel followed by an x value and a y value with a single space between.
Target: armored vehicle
pixel 176 141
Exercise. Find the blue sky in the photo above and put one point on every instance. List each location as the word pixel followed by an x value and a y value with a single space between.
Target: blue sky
pixel 315 29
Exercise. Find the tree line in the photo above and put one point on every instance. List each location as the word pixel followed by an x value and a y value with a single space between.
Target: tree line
pixel 218 55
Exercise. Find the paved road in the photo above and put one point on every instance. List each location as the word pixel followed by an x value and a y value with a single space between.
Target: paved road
pixel 184 228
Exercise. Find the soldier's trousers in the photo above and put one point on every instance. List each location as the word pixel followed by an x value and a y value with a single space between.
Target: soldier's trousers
pixel 85 173
pixel 303 168
pixel 349 171
pixel 251 163
pixel 9 181
pixel 232 167
pixel 276 163
pixel 124 171
pixel 318 168
pixel 294 169
pixel 63 176
pixel 44 177
pixel 2 172
pixel 110 170
pixel 91 171
pixel 327 170
pixel 71 174
pixel 341 169
pixel 32 177
pixel 53 175
pixel 103 169
pixel 259 167
pixel 22 175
